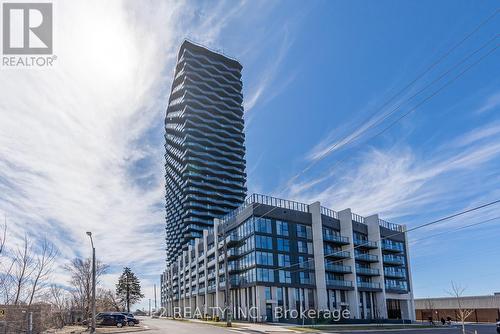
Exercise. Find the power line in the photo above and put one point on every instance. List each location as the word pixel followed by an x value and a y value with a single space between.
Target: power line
pixel 411 83
pixel 436 92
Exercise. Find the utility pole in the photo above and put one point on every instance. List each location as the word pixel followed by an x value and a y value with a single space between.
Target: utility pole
pixel 149 306
pixel 227 291
pixel 92 329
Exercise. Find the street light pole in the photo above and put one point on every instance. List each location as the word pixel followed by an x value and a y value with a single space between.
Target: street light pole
pixel 92 330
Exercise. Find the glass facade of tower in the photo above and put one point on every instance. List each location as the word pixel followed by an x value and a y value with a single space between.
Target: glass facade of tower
pixel 204 143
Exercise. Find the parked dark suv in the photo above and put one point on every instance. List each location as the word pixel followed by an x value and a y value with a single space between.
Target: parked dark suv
pixel 131 320
pixel 498 327
pixel 111 319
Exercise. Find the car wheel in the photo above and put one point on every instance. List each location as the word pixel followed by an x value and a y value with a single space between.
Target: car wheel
pixel 119 325
pixel 131 323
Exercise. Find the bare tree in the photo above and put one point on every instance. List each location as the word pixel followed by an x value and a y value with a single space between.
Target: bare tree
pixel 81 281
pixel 43 268
pixel 23 268
pixel 59 299
pixel 107 301
pixel 429 306
pixel 3 236
pixel 463 313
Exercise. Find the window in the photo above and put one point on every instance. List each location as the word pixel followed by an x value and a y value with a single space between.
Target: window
pixel 279 293
pixel 283 260
pixel 283 245
pixel 264 258
pixel 304 231
pixel 265 275
pixel 282 228
pixel 306 262
pixel 263 242
pixel 305 247
pixel 306 277
pixel 285 276
pixel 267 291
pixel 263 225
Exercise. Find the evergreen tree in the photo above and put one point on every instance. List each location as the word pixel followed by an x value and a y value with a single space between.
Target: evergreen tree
pixel 128 288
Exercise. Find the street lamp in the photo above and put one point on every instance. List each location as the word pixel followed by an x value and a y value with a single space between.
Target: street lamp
pixel 92 330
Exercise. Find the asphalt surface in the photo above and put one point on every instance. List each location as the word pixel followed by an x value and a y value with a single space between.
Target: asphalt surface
pixel 163 326
pixel 481 329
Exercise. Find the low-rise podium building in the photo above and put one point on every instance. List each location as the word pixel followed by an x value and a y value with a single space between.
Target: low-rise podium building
pixel 293 256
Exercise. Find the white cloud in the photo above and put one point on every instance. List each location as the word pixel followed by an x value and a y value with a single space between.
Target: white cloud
pixel 398 182
pixel 491 103
pixel 73 137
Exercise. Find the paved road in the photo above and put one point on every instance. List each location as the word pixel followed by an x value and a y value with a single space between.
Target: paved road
pixel 481 329
pixel 163 326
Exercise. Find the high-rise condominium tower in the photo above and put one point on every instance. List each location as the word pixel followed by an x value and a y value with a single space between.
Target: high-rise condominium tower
pixel 205 152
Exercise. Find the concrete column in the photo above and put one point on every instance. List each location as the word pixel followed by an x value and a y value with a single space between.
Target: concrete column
pixel 197 298
pixel 345 217
pixel 319 256
pixel 374 235
pixel 411 300
pixel 190 248
pixel 216 254
pixel 205 267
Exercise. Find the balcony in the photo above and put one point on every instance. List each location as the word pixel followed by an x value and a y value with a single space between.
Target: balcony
pixel 368 286
pixel 201 291
pixel 365 244
pixel 399 287
pixel 337 268
pixel 394 273
pixel 367 271
pixel 232 240
pixel 339 284
pixel 366 257
pixel 337 254
pixel 232 253
pixel 392 246
pixel 392 259
pixel 233 267
pixel 336 239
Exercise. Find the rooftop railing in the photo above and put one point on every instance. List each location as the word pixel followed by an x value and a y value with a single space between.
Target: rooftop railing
pixel 266 200
pixel 329 212
pixel 358 218
pixel 391 226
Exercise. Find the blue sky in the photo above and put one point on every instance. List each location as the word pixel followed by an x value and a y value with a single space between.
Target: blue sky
pixel 81 144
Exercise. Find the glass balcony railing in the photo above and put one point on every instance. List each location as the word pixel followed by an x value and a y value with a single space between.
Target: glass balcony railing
pixel 392 246
pixel 337 254
pixel 365 243
pixel 397 273
pixel 336 239
pixel 392 259
pixel 337 268
pixel 368 285
pixel 339 283
pixel 396 286
pixel 367 271
pixel 366 257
